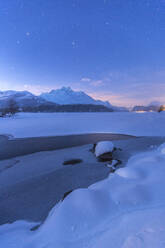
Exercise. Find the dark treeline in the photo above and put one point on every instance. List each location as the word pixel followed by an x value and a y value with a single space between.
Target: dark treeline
pixel 67 108
pixel 11 109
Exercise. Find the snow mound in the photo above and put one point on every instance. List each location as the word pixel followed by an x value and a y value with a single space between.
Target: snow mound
pixel 126 210
pixel 161 149
pixel 103 147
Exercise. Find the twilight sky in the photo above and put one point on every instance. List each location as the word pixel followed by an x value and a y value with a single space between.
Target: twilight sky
pixel 111 49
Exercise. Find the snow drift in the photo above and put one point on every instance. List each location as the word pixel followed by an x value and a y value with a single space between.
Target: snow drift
pixel 126 210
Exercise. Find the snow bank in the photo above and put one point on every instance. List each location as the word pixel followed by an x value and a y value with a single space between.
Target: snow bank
pixel 29 124
pixel 127 210
pixel 103 147
pixel 161 149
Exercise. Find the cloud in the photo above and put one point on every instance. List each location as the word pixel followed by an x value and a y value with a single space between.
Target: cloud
pixel 97 83
pixel 85 79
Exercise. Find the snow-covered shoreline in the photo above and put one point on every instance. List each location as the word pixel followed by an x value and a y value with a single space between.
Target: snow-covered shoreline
pixel 53 124
pixel 126 210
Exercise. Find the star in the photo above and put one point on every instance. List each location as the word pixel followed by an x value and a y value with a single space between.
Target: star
pixel 27 33
pixel 74 44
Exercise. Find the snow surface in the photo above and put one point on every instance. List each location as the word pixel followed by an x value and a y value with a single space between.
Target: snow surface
pixel 49 124
pixel 103 147
pixel 126 210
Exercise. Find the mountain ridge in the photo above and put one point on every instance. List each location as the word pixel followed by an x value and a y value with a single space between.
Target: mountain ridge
pixel 63 96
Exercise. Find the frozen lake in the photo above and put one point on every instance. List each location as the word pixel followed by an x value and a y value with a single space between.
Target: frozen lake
pixel 52 124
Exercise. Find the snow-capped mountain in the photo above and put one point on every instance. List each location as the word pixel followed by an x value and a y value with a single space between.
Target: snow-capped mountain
pixel 66 95
pixel 22 98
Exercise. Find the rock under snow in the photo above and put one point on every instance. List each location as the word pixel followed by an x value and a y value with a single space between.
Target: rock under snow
pixel 113 164
pixel 104 147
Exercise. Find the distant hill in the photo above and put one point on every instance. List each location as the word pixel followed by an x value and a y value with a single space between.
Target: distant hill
pixel 146 108
pixel 22 99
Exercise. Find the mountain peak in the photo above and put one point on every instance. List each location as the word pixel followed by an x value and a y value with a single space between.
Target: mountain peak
pixel 66 95
pixel 63 89
pixel 66 88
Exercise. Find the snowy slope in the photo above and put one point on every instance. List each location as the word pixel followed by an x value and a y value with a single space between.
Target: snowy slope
pixel 126 210
pixel 16 94
pixel 22 98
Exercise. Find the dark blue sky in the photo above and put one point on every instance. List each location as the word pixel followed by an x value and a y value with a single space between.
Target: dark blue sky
pixel 112 49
